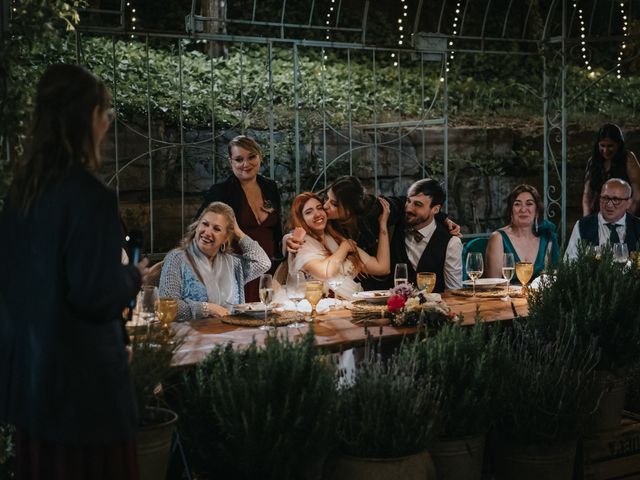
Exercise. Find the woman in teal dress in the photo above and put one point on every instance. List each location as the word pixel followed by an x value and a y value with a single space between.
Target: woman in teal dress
pixel 528 236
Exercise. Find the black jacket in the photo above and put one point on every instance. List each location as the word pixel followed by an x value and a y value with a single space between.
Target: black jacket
pixel 64 374
pixel 230 192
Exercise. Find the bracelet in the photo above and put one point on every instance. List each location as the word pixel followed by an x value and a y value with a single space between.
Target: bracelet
pixel 205 309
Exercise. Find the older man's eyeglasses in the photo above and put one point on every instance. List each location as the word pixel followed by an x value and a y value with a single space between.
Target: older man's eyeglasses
pixel 615 201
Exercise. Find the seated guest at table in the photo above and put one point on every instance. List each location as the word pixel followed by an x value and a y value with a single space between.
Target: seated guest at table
pixel 424 244
pixel 611 224
pixel 64 375
pixel 255 200
pixel 527 237
pixel 354 214
pixel 325 250
pixel 203 274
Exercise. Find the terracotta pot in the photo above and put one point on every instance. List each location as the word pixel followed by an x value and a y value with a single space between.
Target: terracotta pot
pixel 458 458
pixel 535 462
pixel 609 393
pixel 154 444
pixel 411 467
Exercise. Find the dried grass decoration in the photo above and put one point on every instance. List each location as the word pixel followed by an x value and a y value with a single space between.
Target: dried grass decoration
pixel 277 319
pixel 498 292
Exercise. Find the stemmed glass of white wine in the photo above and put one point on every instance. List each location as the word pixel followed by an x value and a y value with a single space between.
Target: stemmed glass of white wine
pixel 508 267
pixel 266 296
pixel 524 272
pixel 475 267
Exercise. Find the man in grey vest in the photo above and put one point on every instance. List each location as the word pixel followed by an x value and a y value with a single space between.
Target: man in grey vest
pixel 424 244
pixel 612 224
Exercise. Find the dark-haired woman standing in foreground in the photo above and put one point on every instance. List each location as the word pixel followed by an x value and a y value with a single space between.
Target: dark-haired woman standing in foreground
pixel 64 374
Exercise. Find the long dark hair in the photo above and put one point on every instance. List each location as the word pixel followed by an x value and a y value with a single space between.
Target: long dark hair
pixel 62 131
pixel 595 174
pixel 350 195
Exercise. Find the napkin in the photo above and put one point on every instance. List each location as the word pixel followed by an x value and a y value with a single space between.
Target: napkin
pixel 305 307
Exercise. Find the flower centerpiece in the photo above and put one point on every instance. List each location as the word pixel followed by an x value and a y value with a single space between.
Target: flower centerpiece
pixel 409 308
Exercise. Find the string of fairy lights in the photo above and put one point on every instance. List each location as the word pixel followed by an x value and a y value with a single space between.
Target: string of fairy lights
pixel 625 34
pixel 401 20
pixel 454 32
pixel 132 15
pixel 583 39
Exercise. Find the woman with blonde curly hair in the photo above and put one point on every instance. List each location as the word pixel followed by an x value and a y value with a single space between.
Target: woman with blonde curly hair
pixel 203 274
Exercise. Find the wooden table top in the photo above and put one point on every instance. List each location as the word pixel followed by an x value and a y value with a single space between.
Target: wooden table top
pixel 334 331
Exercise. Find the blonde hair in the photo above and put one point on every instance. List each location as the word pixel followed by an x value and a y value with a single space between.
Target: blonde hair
pixel 214 207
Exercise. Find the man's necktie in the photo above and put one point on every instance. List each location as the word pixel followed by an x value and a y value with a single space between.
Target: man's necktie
pixel 613 236
pixel 415 234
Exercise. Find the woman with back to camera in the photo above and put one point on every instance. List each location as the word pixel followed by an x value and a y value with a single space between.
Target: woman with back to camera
pixel 610 159
pixel 324 248
pixel 64 373
pixel 203 274
pixel 254 199
pixel 528 236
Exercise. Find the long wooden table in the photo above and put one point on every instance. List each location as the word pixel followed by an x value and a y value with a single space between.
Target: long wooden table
pixel 334 331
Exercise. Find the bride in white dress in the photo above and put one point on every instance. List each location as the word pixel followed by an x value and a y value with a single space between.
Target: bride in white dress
pixel 326 254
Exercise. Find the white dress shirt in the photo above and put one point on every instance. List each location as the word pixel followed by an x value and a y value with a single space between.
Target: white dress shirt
pixel 603 235
pixel 452 269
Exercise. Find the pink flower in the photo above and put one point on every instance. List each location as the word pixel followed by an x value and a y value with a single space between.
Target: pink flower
pixel 395 303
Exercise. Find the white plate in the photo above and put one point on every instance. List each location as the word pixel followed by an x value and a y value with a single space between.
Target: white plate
pixel 486 282
pixel 254 308
pixel 373 296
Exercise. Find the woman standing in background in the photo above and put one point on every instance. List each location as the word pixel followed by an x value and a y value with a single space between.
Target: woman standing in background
pixel 255 201
pixel 610 159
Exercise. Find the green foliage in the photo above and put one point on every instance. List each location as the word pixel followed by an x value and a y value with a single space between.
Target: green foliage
pixel 7 451
pixel 260 413
pixel 600 300
pixel 153 351
pixel 388 411
pixel 35 33
pixel 462 362
pixel 5 181
pixel 546 385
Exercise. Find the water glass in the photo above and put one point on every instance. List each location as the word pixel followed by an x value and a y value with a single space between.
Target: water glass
pixel 146 306
pixel 620 252
pixel 508 268
pixel 401 274
pixel 296 286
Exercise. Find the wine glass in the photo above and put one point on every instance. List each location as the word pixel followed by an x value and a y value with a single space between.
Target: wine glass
pixel 524 272
pixel 265 289
pixel 166 311
pixel 335 277
pixel 147 300
pixel 401 274
pixel 620 252
pixel 314 290
pixel 508 266
pixel 295 292
pixel 426 281
pixel 475 267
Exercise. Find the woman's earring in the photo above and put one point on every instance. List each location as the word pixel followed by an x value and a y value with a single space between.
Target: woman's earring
pixel 535 225
pixel 223 247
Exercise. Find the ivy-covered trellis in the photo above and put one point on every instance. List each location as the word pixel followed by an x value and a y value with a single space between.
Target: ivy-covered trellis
pixel 361 74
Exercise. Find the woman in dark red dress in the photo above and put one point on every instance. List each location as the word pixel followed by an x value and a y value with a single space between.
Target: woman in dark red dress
pixel 255 201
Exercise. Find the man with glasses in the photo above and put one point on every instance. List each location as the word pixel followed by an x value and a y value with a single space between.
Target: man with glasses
pixel 612 224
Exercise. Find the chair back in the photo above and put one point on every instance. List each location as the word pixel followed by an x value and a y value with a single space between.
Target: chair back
pixel 153 277
pixel 478 244
pixel 280 275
